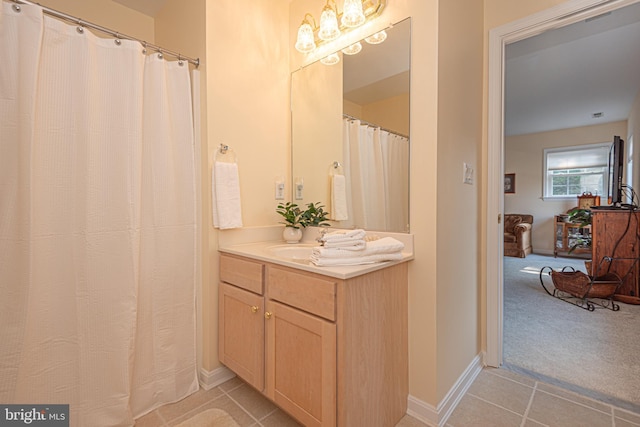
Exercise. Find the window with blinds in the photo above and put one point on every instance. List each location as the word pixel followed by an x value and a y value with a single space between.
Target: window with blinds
pixel 571 171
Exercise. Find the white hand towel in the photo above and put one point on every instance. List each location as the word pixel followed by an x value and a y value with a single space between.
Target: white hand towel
pixel 386 245
pixel 225 184
pixel 339 209
pixel 358 260
pixel 350 245
pixel 342 235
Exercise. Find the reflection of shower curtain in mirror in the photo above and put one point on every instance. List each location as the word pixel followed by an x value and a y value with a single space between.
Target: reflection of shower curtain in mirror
pixel 377 174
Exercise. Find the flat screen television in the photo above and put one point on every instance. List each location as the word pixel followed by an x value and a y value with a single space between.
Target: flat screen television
pixel 616 169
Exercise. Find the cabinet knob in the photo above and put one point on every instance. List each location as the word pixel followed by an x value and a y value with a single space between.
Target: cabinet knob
pixel 254 308
pixel 267 315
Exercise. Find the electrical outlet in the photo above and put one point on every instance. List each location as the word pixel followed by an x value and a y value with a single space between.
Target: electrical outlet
pixel 279 190
pixel 299 187
pixel 467 174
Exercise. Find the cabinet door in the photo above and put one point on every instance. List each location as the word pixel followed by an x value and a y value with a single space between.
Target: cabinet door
pixel 241 333
pixel 301 364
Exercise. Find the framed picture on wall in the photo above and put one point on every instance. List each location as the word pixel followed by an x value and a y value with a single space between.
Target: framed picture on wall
pixel 509 183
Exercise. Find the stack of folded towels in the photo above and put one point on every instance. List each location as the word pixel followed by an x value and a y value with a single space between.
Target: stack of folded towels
pixel 354 248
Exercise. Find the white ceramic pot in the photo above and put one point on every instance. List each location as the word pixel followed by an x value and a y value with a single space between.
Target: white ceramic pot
pixel 292 235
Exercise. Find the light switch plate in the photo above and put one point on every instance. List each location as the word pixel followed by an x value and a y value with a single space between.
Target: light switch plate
pixel 467 174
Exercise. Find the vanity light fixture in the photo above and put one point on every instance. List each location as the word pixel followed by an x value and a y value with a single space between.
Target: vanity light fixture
pixel 329 29
pixel 353 15
pixel 306 41
pixel 353 49
pixel 377 38
pixel 332 59
pixel 333 24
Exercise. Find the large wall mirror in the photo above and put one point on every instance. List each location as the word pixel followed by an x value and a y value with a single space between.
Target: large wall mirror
pixel 350 134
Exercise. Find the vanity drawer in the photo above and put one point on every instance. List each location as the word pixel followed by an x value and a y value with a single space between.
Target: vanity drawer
pixel 306 292
pixel 242 272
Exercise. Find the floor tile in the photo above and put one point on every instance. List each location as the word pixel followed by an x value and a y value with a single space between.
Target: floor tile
pixel 552 410
pixel 252 401
pixel 409 421
pixel 570 395
pixel 627 416
pixel 278 418
pixel 152 419
pixel 472 411
pixel 505 373
pixel 504 392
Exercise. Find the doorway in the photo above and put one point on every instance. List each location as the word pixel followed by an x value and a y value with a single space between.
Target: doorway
pixel 559 16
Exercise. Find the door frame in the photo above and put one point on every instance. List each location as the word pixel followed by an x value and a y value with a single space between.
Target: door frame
pixel 555 17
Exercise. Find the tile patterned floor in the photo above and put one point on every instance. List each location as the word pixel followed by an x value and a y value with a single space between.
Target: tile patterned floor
pixel 497 398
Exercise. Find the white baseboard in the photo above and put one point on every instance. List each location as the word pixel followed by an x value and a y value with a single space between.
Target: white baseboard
pixel 211 379
pixel 438 416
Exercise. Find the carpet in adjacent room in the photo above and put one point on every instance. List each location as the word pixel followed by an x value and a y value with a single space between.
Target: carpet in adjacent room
pixel 594 353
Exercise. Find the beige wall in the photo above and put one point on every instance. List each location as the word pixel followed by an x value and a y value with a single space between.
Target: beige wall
pixel 247 79
pixel 524 156
pixel 459 136
pixel 391 113
pixel 108 14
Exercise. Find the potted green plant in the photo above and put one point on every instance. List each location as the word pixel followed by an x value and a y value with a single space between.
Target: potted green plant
pixel 296 218
pixel 583 218
pixel 315 216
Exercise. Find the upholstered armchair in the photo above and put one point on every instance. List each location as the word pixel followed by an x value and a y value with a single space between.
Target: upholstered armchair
pixel 517 235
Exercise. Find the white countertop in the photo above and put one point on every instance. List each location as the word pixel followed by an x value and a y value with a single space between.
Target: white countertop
pixel 260 251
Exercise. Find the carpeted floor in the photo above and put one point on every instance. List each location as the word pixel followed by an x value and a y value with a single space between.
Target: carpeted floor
pixel 594 353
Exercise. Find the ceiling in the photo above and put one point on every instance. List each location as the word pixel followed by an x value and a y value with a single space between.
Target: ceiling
pixel 560 78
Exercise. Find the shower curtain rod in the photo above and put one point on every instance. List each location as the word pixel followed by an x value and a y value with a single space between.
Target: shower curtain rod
pixel 346 116
pixel 82 23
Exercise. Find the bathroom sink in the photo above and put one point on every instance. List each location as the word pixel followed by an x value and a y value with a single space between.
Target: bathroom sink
pixel 292 252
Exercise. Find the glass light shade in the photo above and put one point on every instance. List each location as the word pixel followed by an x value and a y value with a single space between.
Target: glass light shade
pixel 377 38
pixel 334 58
pixel 353 49
pixel 305 42
pixel 352 14
pixel 329 29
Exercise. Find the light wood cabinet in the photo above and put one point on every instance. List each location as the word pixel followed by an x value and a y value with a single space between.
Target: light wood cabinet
pixel 335 351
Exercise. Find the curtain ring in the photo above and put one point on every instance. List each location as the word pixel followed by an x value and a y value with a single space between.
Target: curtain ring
pixel 144 47
pixel 160 56
pixel 180 61
pixel 117 40
pixel 80 29
pixel 17 8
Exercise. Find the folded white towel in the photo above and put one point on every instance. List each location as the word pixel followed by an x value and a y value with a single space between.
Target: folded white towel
pixel 386 245
pixel 358 260
pixel 225 203
pixel 339 211
pixel 350 245
pixel 344 235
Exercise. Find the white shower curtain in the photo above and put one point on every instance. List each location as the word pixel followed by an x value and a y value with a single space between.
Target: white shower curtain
pixel 97 223
pixel 377 174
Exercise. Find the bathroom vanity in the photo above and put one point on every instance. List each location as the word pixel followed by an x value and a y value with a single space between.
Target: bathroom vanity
pixel 327 345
